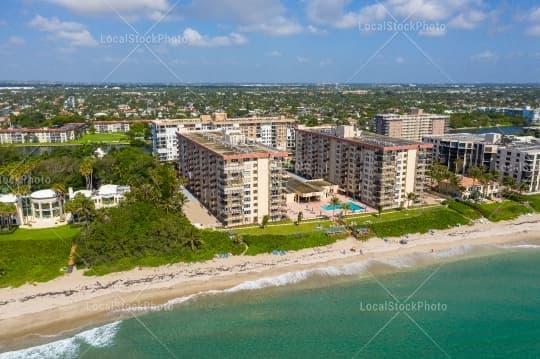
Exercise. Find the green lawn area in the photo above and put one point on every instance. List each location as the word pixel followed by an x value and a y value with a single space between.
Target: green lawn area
pixel 418 222
pixel 268 243
pixel 463 209
pixel 37 255
pixel 501 211
pixel 102 137
pixel 282 229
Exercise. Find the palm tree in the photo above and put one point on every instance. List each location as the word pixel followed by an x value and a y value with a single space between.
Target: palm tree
pixel 87 170
pixel 509 183
pixel 299 217
pixel 83 207
pixel 379 209
pixel 458 163
pixel 265 220
pixel 346 207
pixel 193 241
pixel 334 202
pixel 522 187
pixel 475 172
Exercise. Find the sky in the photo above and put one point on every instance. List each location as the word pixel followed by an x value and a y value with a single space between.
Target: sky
pixel 271 41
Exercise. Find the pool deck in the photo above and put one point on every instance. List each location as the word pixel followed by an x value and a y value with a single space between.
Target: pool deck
pixel 312 210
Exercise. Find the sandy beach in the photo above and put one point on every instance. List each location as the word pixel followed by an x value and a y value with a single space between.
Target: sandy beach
pixel 74 300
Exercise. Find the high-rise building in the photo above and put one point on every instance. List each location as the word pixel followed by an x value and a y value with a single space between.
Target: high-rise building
pixel 465 150
pixel 237 179
pixel 521 161
pixel 377 170
pixel 277 132
pixel 411 127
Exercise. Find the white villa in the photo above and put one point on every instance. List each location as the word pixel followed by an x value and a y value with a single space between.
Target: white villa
pixel 108 195
pixel 44 208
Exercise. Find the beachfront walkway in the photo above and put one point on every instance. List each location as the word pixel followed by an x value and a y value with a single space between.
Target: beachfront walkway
pixel 197 213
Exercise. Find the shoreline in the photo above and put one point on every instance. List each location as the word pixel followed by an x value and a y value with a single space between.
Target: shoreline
pixel 73 302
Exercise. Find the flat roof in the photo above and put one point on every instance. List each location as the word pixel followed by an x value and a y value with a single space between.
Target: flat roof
pixel 373 140
pixel 214 141
pixel 320 183
pixel 462 137
pixel 298 186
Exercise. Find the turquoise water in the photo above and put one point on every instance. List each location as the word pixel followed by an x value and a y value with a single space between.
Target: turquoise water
pixel 354 207
pixel 479 307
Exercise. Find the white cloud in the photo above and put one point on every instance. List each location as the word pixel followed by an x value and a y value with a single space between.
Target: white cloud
pixel 534 19
pixel 433 32
pixel 191 37
pixel 70 33
pixel 485 56
pixel 153 9
pixel 16 40
pixel 468 20
pixel 333 13
pixel 463 14
pixel 326 62
pixel 303 60
pixel 275 53
pixel 278 26
pixel 315 30
pixel 267 16
pixel 400 60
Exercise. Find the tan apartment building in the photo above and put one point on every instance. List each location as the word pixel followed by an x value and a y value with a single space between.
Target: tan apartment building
pixel 413 126
pixel 377 170
pixel 237 179
pixel 276 132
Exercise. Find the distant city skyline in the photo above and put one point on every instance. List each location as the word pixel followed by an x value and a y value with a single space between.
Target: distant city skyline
pixel 270 41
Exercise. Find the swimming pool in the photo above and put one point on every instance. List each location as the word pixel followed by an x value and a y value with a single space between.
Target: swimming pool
pixel 354 207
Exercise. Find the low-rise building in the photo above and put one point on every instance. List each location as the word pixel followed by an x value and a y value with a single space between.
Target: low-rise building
pixel 377 170
pixel 67 132
pixel 532 115
pixel 115 126
pixel 239 180
pixel 470 188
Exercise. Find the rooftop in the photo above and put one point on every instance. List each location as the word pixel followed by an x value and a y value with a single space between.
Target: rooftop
pixel 298 186
pixel 215 142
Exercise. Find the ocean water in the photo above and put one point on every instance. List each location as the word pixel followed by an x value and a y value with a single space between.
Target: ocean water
pixel 471 303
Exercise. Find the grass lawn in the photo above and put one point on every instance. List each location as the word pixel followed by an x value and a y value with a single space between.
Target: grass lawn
pixel 501 211
pixel 399 223
pixel 283 229
pixel 34 255
pixel 464 209
pixel 102 138
pixel 268 243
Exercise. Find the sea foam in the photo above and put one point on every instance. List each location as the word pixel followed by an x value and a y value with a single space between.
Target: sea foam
pixel 99 337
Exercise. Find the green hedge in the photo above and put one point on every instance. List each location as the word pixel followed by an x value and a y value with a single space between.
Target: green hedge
pixel 267 243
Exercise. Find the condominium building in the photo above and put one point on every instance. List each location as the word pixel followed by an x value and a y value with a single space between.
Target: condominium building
pixel 465 150
pixel 411 127
pixel 277 132
pixel 67 132
pixel 521 161
pixel 115 126
pixel 377 170
pixel 237 179
pixel 530 114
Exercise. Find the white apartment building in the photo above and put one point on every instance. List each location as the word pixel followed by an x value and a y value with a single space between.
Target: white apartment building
pixel 68 132
pixel 520 161
pixel 277 132
pixel 115 126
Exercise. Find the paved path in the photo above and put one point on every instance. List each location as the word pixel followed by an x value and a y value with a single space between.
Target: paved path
pixel 197 213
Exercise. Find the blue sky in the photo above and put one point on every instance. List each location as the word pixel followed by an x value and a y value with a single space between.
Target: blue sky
pixel 336 41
